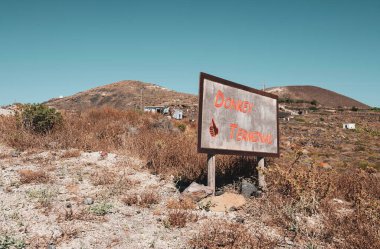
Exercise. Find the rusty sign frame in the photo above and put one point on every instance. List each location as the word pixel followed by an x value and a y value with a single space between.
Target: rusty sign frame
pixel 216 79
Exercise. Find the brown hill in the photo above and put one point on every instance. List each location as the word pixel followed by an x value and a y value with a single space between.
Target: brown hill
pixel 323 96
pixel 127 95
pixel 124 95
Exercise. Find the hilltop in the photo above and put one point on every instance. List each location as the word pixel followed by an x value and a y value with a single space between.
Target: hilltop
pixel 324 97
pixel 124 95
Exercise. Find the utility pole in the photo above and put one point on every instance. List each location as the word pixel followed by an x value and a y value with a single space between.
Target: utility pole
pixel 141 100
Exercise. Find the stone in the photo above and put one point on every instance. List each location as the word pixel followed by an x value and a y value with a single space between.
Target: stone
pixel 224 203
pixel 15 153
pixel 239 219
pixel 197 192
pixel 325 165
pixel 88 201
pixel 219 192
pixel 53 145
pixel 51 246
pixel 248 189
pixel 233 209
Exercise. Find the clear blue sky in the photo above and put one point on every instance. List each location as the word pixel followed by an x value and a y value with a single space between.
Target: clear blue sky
pixel 51 48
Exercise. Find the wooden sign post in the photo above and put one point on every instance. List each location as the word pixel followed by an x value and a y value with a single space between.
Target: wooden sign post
pixel 211 171
pixel 237 120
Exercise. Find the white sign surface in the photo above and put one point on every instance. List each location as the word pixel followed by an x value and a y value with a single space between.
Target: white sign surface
pixel 236 119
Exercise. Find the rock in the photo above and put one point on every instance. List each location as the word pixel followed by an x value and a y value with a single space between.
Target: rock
pixel 325 166
pixel 68 205
pixel 88 201
pixel 224 202
pixel 197 192
pixel 239 219
pixel 219 192
pixel 16 153
pixel 233 209
pixel 51 246
pixel 53 145
pixel 57 234
pixel 248 189
pixel 103 155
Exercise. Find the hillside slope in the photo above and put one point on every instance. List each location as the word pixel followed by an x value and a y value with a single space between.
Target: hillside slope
pixel 127 95
pixel 124 95
pixel 323 96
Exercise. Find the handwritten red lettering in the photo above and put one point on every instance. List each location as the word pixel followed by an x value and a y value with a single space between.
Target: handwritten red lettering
pixel 232 104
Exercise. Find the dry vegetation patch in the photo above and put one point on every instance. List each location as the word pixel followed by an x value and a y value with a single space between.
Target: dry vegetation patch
pixel 179 218
pixel 184 203
pixel 224 234
pixel 146 199
pixel 30 176
pixel 103 177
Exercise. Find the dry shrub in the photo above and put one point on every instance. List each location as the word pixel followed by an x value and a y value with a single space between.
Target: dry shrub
pixel 300 192
pixel 146 199
pixel 104 177
pixel 149 198
pixel 179 218
pixel 83 214
pixel 121 185
pixel 30 176
pixel 71 153
pixel 148 136
pixel 184 203
pixel 130 199
pixel 223 234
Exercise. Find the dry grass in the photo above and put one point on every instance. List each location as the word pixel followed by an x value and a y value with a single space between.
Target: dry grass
pixel 295 192
pixel 185 203
pixel 223 234
pixel 146 199
pixel 149 198
pixel 179 218
pixel 130 199
pixel 30 176
pixel 71 153
pixel 103 177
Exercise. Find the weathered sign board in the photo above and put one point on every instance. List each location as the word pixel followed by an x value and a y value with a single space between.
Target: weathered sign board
pixel 236 119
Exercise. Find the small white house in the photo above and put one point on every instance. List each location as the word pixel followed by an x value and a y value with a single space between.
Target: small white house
pixel 349 126
pixel 154 109
pixel 178 114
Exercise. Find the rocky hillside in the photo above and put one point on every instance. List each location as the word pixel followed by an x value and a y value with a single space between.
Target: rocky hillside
pixel 124 95
pixel 127 95
pixel 323 96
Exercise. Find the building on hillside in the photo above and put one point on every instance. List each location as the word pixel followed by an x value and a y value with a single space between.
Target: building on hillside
pixel 178 114
pixel 157 109
pixel 350 126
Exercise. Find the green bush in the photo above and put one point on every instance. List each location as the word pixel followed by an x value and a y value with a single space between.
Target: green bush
pixel 39 118
pixel 314 102
pixel 101 209
pixel 313 108
pixel 354 109
pixel 182 127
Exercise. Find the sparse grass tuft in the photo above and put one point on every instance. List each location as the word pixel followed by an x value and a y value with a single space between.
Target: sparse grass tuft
pixel 103 177
pixel 43 196
pixel 179 218
pixel 185 203
pixel 101 209
pixel 30 176
pixel 223 234
pixel 145 200
pixel 7 242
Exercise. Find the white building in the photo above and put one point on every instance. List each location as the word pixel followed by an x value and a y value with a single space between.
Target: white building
pixel 178 114
pixel 349 126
